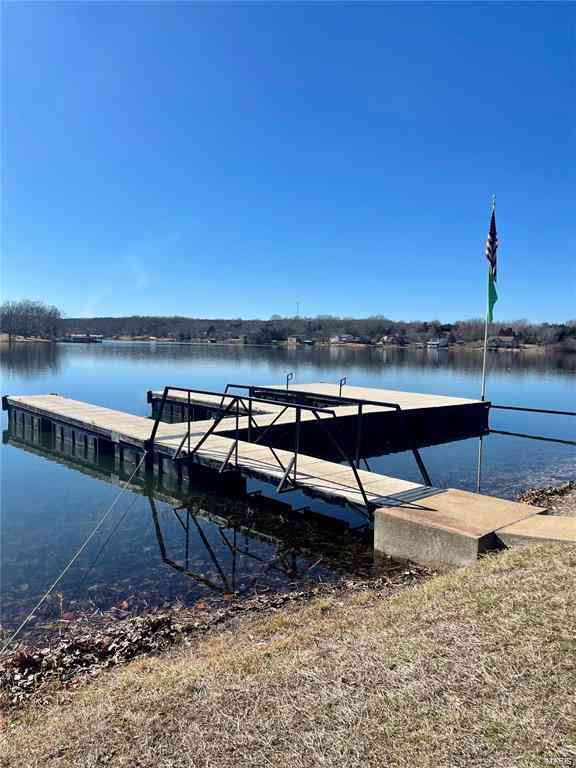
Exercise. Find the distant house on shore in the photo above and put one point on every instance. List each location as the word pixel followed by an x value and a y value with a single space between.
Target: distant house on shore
pixel 83 338
pixel 440 343
pixel 503 342
pixel 396 339
pixel 343 338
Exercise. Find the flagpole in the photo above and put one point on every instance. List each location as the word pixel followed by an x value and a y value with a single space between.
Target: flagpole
pixel 485 356
pixel 484 361
pixel 483 395
pixel 479 467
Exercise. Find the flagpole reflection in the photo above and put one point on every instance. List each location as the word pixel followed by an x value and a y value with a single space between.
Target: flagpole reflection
pixel 479 467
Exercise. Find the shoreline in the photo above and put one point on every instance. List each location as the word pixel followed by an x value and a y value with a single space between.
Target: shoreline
pixel 476 665
pixel 33 672
pixel 475 346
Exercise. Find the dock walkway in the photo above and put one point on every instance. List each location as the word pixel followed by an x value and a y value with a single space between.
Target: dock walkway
pixel 320 477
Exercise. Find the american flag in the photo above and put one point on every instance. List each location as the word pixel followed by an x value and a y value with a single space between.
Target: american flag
pixel 492 245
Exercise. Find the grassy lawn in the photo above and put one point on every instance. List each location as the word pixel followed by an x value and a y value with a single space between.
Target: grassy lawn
pixel 474 668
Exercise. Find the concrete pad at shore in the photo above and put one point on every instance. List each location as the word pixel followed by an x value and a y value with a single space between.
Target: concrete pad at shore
pixel 539 528
pixel 449 528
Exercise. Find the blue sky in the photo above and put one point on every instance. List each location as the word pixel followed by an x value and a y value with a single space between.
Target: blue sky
pixel 229 160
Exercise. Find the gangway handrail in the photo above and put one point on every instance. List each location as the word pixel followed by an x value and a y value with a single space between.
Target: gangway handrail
pixel 194 391
pixel 360 402
pixel 234 400
pixel 334 399
pixel 289 471
pixel 238 401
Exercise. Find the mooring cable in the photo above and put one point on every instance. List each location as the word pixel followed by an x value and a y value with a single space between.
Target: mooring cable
pixel 74 558
pixel 107 540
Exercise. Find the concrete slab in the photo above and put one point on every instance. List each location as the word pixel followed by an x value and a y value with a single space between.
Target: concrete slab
pixel 449 528
pixel 539 528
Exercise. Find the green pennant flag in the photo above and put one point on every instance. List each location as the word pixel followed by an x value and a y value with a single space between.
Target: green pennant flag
pixel 492 295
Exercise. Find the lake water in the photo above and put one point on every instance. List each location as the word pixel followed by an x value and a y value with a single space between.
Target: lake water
pixel 148 554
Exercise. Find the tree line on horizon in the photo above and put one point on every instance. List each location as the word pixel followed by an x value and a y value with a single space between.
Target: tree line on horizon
pixel 30 319
pixel 36 319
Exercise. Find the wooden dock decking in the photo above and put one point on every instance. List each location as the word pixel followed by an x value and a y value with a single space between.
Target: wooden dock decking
pixel 406 400
pixel 316 474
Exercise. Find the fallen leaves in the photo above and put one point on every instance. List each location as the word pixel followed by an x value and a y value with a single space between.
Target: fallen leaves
pixel 87 650
pixel 25 671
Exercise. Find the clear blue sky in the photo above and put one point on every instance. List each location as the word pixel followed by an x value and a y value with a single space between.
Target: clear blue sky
pixel 231 159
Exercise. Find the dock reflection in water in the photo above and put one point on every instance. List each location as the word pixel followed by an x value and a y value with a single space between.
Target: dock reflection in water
pixel 166 543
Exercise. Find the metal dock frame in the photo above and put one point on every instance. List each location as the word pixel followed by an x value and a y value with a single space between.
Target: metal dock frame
pixel 241 405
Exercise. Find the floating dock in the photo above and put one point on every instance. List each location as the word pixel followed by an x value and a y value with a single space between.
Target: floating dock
pixel 398 420
pixel 282 436
pixel 99 429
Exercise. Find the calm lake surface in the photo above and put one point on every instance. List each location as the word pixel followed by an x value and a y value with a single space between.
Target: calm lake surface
pixel 148 555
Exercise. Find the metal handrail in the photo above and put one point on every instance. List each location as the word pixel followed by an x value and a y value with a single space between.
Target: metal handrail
pixel 551 411
pixel 254 399
pixel 235 400
pixel 289 471
pixel 533 410
pixel 360 403
pixel 334 399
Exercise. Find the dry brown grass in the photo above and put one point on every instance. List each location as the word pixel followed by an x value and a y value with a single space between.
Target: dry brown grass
pixel 472 668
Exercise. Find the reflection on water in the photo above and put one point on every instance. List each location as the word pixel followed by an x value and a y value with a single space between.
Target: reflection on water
pixel 159 547
pixel 31 359
pixel 27 360
pixel 176 545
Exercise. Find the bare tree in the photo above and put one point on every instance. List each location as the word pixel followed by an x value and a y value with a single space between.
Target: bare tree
pixel 29 319
pixel 9 316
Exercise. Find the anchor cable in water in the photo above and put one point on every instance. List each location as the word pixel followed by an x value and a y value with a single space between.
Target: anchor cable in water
pixel 109 537
pixel 73 560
